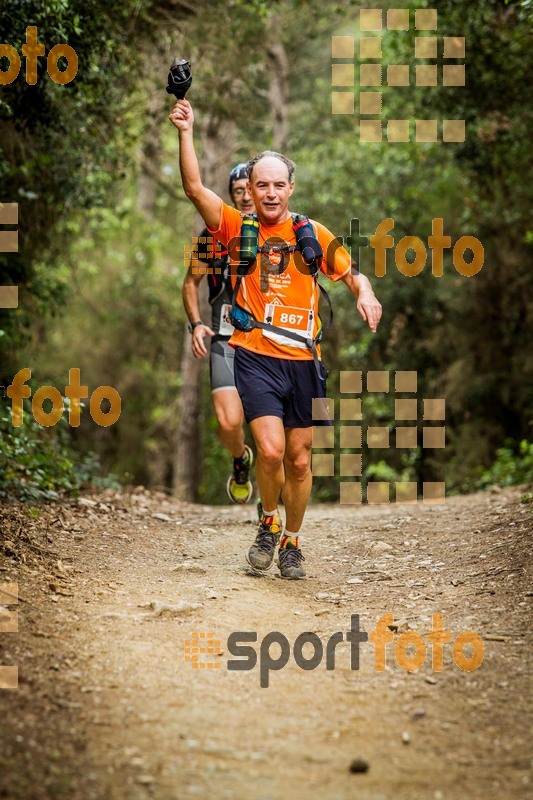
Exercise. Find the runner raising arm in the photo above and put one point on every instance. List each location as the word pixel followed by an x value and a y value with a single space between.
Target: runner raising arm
pixel 208 204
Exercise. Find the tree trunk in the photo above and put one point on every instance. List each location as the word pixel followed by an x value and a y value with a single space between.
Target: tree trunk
pixel 279 71
pixel 187 457
pixel 151 155
pixel 217 141
pixel 147 186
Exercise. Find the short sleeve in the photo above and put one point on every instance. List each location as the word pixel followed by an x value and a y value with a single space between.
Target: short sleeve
pixel 337 261
pixel 229 225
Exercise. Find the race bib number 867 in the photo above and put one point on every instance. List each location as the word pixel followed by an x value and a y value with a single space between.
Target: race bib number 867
pixel 297 320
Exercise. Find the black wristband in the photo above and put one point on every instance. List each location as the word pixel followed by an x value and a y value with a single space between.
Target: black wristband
pixel 192 325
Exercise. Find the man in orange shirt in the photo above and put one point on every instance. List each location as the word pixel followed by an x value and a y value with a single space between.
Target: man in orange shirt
pixel 276 375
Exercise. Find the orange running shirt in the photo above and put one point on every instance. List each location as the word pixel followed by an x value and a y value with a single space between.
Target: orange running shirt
pixel 289 299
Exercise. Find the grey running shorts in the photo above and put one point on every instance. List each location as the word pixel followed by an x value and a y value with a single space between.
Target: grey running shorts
pixel 221 365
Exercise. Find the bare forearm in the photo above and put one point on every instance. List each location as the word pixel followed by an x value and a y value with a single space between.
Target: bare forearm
pixel 368 305
pixel 207 202
pixel 191 303
pixel 359 284
pixel 189 168
pixel 189 293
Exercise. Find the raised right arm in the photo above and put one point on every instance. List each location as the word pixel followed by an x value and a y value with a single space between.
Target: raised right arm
pixel 208 203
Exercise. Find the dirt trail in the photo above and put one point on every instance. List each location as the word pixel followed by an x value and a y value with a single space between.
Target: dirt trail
pixel 108 708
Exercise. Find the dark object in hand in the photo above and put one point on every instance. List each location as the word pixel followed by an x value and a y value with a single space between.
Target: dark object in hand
pixel 179 78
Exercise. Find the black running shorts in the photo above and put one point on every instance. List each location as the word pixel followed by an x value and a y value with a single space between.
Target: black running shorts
pixel 277 387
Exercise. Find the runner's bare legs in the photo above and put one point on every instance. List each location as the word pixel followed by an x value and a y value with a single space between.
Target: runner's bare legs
pixel 298 478
pixel 283 464
pixel 269 437
pixel 230 418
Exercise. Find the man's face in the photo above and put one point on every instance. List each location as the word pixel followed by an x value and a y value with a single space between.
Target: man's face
pixel 242 199
pixel 271 189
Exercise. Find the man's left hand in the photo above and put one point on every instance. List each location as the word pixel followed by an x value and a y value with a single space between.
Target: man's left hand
pixel 370 309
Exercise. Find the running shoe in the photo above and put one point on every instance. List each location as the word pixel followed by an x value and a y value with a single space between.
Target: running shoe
pixel 289 561
pixel 239 486
pixel 261 554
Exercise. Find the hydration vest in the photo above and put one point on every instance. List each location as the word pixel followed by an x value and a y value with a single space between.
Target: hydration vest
pixel 309 247
pixel 213 253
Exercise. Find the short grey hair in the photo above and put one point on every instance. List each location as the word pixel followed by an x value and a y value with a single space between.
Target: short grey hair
pixel 291 166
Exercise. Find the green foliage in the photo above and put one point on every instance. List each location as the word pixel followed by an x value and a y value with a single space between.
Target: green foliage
pixel 512 466
pixel 67 149
pixel 38 463
pixel 216 462
pixel 126 305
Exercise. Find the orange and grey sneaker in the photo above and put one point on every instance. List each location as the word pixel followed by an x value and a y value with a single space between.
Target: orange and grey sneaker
pixel 239 486
pixel 261 554
pixel 289 561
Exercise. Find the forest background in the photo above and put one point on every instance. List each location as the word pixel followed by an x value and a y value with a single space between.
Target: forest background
pixel 103 223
